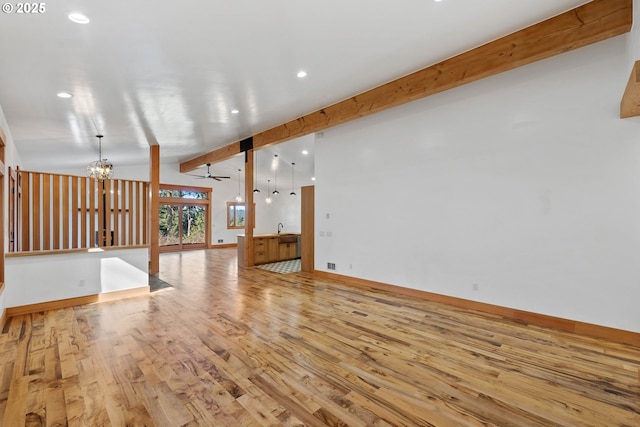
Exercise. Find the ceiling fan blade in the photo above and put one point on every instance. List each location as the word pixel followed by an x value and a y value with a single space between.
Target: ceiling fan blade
pixel 219 178
pixel 190 174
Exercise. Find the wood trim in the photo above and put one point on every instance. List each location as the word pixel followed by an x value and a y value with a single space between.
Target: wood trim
pixel 593 22
pixel 307 251
pixel 71 175
pixel 182 201
pixel 572 326
pixel 184 188
pixel 3 319
pixel 630 103
pixel 3 138
pixel 247 258
pixel 74 251
pixel 72 302
pixel 154 214
pixel 224 246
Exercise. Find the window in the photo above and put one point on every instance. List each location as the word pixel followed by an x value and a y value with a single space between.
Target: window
pixel 184 217
pixel 235 215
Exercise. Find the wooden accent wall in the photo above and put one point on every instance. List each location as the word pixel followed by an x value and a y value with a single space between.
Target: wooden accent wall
pixel 593 22
pixel 66 212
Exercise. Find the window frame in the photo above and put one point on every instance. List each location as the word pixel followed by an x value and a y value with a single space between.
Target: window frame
pixel 229 222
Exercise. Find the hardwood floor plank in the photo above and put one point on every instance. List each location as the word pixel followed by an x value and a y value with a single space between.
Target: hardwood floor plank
pixel 227 348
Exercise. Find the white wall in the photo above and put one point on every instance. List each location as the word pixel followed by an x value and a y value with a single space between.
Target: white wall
pixel 526 184
pixel 36 279
pixel 284 209
pixel 11 159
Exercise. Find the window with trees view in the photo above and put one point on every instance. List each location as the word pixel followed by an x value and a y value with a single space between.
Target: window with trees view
pixel 236 215
pixel 184 219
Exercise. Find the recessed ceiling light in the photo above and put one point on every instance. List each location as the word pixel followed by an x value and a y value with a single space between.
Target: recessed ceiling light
pixel 235 111
pixel 305 152
pixel 302 74
pixel 78 18
pixel 64 95
pixel 313 178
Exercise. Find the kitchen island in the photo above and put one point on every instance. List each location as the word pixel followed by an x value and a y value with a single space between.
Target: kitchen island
pixel 270 247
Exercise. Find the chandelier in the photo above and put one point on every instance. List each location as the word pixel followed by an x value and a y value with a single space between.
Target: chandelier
pixel 101 169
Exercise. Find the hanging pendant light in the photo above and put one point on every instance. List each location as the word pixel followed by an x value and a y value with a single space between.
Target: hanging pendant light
pixel 275 168
pixel 292 192
pixel 101 169
pixel 239 197
pixel 268 200
pixel 255 181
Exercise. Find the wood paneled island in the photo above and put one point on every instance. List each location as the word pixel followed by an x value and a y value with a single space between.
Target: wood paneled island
pixel 270 247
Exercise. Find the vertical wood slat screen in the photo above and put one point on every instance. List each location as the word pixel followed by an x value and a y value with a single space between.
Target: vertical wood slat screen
pixel 73 212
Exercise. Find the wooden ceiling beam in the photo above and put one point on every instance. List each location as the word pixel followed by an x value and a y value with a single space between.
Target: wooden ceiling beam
pixel 215 156
pixel 630 104
pixel 584 25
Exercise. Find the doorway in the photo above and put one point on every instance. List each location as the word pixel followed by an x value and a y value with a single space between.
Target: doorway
pixel 184 218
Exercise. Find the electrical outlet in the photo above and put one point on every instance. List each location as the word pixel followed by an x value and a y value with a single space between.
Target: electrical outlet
pixel 476 287
pixel 331 266
pixel 82 283
pixel 220 240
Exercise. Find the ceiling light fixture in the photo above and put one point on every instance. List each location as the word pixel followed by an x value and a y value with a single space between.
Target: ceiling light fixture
pixel 64 95
pixel 234 111
pixel 78 18
pixel 275 185
pixel 292 181
pixel 255 181
pixel 268 200
pixel 101 169
pixel 239 197
pixel 305 152
pixel 302 74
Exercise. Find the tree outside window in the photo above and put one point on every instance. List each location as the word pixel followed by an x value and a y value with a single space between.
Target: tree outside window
pixel 236 215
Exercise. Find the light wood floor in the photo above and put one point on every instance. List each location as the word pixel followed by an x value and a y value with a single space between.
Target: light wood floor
pixel 265 349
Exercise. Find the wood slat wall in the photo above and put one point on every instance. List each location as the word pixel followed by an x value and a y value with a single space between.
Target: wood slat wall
pixel 65 212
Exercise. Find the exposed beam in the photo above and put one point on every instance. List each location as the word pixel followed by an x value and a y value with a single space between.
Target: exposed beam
pixel 630 104
pixel 215 156
pixel 584 25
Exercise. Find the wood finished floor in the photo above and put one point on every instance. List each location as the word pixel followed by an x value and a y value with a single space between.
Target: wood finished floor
pixel 266 349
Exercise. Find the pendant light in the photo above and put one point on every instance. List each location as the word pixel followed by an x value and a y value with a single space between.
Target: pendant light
pixel 275 168
pixel 239 197
pixel 268 200
pixel 101 169
pixel 292 192
pixel 255 181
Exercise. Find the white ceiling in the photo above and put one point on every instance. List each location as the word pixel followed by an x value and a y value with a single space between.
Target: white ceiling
pixel 169 72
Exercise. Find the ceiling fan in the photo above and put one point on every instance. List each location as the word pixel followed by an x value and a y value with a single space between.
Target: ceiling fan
pixel 208 175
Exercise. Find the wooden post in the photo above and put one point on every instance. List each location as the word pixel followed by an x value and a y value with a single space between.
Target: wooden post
pixel 308 228
pixel 154 214
pixel 250 216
